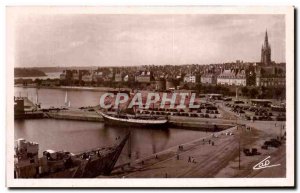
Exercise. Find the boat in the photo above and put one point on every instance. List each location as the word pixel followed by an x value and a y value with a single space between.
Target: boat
pixel 67 102
pixel 100 161
pixel 63 164
pixel 133 120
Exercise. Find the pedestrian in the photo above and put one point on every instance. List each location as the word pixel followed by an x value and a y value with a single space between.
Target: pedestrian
pixel 156 157
pixel 189 159
pixel 208 141
pixel 192 160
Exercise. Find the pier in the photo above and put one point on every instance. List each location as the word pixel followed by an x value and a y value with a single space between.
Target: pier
pixel 193 123
pixel 77 115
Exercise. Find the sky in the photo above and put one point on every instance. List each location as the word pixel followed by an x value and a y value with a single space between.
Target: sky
pixel 126 40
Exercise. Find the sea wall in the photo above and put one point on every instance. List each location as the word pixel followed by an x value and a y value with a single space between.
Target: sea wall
pixel 193 123
pixel 75 115
pixel 197 123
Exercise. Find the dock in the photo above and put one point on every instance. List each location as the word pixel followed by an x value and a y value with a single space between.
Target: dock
pixel 77 115
pixel 191 123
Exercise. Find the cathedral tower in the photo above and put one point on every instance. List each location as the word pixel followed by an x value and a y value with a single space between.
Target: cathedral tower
pixel 266 52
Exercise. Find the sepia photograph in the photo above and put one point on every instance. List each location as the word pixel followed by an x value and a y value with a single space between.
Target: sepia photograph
pixel 143 96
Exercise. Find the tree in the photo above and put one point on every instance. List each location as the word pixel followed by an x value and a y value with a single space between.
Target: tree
pixel 245 91
pixel 38 82
pixel 253 93
pixel 279 93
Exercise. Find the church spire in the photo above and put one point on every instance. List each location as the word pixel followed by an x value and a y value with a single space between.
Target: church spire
pixel 266 51
pixel 266 39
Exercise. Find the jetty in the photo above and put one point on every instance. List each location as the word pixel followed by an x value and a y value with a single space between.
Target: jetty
pixel 192 123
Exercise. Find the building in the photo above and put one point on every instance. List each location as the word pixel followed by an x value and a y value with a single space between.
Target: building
pixel 251 75
pixel 118 77
pixel 66 75
pixel 208 78
pixel 75 75
pixel 189 78
pixel 62 76
pixel 170 85
pixel 97 76
pixel 87 77
pixel 266 52
pixel 160 85
pixel 232 77
pixel 83 73
pixel 226 77
pixel 240 78
pixel 269 74
pixel 143 77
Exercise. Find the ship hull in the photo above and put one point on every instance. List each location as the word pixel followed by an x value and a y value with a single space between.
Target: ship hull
pixel 102 165
pixel 32 172
pixel 108 120
pixel 69 173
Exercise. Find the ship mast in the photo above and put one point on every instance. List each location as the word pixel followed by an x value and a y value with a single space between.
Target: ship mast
pixel 37 97
pixel 129 146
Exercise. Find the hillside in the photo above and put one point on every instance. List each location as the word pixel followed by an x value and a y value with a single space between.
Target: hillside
pixel 28 72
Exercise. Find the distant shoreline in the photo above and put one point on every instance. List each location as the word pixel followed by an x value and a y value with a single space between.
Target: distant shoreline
pixel 30 76
pixel 27 72
pixel 96 89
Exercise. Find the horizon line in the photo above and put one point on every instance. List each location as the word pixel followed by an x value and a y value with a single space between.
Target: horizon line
pixel 243 62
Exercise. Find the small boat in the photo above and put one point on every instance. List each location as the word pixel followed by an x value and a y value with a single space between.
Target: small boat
pixel 133 120
pixel 67 101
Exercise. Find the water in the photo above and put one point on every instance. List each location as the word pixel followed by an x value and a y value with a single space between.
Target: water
pixel 77 136
pixel 56 97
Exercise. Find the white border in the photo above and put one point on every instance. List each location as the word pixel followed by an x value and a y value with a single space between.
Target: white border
pixel 178 182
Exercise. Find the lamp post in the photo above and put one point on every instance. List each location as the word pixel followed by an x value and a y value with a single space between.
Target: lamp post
pixel 240 130
pixel 239 149
pixel 239 155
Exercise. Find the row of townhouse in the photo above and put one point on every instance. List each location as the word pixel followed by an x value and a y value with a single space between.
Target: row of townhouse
pixel 231 77
pixel 256 75
pixel 226 77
